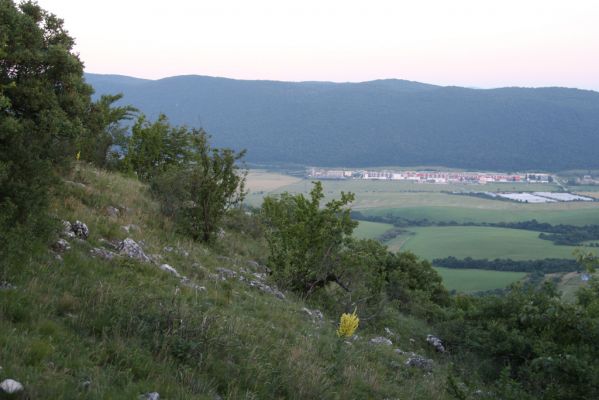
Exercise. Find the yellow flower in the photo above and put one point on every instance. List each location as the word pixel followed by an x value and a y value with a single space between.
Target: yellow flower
pixel 78 155
pixel 348 324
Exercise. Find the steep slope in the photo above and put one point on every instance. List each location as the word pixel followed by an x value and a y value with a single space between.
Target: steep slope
pixel 91 322
pixel 386 122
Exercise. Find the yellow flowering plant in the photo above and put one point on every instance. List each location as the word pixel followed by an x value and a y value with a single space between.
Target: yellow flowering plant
pixel 348 324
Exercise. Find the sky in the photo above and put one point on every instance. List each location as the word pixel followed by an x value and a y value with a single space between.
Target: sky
pixel 472 43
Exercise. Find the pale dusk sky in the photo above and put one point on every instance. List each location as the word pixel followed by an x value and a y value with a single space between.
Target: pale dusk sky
pixel 473 43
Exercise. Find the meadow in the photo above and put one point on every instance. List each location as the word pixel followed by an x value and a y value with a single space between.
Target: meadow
pixel 478 242
pixel 474 280
pixel 370 230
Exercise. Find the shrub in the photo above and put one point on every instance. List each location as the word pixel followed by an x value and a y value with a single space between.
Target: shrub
pixel 306 241
pixel 200 192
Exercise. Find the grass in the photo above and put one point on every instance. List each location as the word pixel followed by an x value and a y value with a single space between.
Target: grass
pixel 88 328
pixel 478 242
pixel 475 280
pixel 370 230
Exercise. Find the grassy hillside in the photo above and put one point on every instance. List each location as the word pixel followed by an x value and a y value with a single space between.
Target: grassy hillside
pixel 386 122
pixel 76 326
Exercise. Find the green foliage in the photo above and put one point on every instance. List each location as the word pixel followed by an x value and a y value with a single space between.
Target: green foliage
pixel 154 147
pixel 195 183
pixel 306 241
pixel 43 105
pixel 414 284
pixel 548 345
pixel 200 193
pixel 104 130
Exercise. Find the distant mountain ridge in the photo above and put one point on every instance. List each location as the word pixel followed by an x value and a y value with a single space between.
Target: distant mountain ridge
pixel 377 123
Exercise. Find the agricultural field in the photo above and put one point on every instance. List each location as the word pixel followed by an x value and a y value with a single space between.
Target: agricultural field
pixel 370 230
pixel 436 203
pixel 476 280
pixel 560 213
pixel 478 242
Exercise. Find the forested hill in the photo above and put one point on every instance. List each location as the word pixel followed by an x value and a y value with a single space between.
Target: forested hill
pixel 378 123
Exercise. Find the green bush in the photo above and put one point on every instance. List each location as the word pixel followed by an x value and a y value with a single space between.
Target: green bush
pixel 43 105
pixel 306 241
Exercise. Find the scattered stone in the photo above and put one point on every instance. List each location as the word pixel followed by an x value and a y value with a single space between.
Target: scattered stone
pixel 314 314
pixel 170 270
pixel 110 244
pixel 389 332
pixel 81 230
pixel 150 396
pixel 86 384
pixel 61 246
pixel 424 364
pixel 226 273
pixel 168 249
pixel 381 340
pixel 76 184
pixel 267 289
pixel 6 286
pixel 131 249
pixel 112 212
pixel 102 253
pixel 10 386
pixel 436 343
pixel 403 353
pixel 156 258
pixel 67 230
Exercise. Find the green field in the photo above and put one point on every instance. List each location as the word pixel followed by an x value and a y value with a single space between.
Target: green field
pixel 474 280
pixel 575 215
pixel 435 202
pixel 478 242
pixel 370 230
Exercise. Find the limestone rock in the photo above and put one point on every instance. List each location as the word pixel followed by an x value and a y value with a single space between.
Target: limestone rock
pixel 150 396
pixel 61 246
pixel 10 386
pixel 170 270
pixel 424 364
pixel 131 249
pixel 226 273
pixel 316 315
pixel 267 289
pixel 6 286
pixel 436 343
pixel 112 212
pixel 381 340
pixel 67 230
pixel 81 230
pixel 102 253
